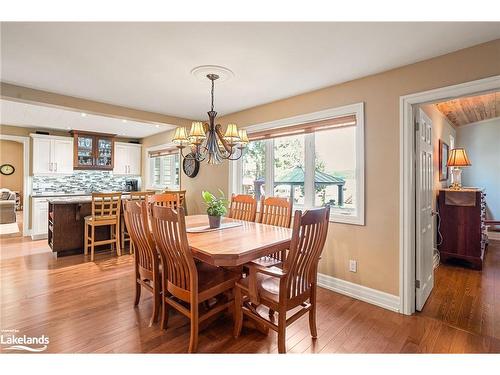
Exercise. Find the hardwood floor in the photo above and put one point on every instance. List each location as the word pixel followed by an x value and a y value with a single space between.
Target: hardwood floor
pixel 88 307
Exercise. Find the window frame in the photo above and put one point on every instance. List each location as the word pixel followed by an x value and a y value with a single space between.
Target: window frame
pixel 149 172
pixel 357 109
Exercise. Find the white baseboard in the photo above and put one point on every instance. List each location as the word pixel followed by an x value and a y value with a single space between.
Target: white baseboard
pixel 35 237
pixel 363 293
pixel 494 235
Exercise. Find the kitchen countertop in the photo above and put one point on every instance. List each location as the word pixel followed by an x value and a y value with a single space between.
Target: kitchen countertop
pixel 69 195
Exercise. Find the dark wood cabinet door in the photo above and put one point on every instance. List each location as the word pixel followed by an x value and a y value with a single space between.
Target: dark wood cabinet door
pixel 93 151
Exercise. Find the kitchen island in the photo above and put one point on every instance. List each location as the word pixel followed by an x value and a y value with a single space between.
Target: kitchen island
pixel 67 224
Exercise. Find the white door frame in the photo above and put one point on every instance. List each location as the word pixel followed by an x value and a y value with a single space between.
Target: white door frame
pixel 26 177
pixel 407 180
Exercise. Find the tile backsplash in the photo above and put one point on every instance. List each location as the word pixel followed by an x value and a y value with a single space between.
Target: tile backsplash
pixel 80 181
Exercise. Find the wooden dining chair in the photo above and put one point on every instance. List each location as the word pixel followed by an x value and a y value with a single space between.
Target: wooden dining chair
pixel 146 260
pixel 293 286
pixel 105 211
pixel 182 198
pixel 171 200
pixel 183 280
pixel 243 207
pixel 278 212
pixel 134 196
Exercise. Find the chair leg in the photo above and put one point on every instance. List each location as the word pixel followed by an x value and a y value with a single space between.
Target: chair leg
pixel 156 300
pixel 238 313
pixel 86 240
pixel 138 290
pixel 282 331
pixel 117 239
pixel 312 313
pixel 111 237
pixel 92 232
pixel 131 244
pixel 193 340
pixel 165 307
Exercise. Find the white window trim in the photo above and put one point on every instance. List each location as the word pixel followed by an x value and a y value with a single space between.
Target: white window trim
pixel 147 170
pixel 235 169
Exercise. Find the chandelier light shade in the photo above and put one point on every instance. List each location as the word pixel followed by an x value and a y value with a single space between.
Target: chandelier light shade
pixel 180 136
pixel 208 142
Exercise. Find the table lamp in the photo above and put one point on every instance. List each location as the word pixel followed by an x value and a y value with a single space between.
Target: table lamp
pixel 457 159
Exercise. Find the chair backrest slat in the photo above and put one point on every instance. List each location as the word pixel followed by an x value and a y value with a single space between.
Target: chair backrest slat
pixel 136 220
pixel 308 240
pixel 106 206
pixel 243 207
pixel 169 233
pixel 171 200
pixel 275 211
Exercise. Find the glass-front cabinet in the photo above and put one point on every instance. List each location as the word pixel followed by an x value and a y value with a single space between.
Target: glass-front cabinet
pixel 93 151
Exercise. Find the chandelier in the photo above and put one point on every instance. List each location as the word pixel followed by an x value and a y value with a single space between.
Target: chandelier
pixel 206 140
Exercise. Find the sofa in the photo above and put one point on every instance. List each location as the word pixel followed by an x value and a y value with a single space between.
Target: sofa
pixel 7 206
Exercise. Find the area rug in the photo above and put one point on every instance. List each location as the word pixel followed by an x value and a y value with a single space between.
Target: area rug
pixel 9 228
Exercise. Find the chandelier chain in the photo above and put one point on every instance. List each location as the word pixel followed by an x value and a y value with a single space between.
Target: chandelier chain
pixel 212 94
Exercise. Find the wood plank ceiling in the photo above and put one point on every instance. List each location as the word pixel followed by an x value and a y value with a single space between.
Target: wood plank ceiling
pixel 471 109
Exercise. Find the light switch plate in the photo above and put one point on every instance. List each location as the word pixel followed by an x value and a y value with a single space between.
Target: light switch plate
pixel 353 265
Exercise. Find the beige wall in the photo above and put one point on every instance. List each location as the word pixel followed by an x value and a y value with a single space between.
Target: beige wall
pixel 11 152
pixel 376 245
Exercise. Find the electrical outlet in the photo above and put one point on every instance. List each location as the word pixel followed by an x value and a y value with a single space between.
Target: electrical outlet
pixel 353 265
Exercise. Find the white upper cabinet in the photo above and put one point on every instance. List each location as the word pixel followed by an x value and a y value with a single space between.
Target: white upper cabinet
pixel 52 155
pixel 62 155
pixel 127 159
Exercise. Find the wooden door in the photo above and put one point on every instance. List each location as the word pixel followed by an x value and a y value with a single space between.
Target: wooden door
pixel 103 153
pixel 424 271
pixel 84 151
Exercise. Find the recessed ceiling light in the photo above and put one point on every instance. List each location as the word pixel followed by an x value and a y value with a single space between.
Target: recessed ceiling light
pixel 67 127
pixel 124 120
pixel 84 114
pixel 157 126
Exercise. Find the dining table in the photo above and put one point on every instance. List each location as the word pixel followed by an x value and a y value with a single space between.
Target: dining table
pixel 236 242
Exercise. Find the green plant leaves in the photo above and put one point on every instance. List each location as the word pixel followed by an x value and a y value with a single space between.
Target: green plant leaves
pixel 215 206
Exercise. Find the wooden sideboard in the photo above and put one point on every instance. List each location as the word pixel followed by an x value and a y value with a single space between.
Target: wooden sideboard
pixel 462 214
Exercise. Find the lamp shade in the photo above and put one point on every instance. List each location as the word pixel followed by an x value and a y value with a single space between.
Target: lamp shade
pixel 243 137
pixel 458 158
pixel 231 134
pixel 197 130
pixel 180 135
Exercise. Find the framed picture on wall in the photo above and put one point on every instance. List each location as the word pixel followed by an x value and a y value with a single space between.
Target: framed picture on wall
pixel 443 158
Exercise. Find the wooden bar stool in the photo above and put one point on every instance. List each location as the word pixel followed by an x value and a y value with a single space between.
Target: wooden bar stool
pixel 105 212
pixel 134 196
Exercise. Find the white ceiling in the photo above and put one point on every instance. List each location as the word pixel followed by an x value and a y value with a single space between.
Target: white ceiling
pixel 147 65
pixel 35 116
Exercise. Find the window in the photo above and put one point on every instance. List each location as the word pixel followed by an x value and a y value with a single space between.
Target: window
pixel 164 171
pixel 254 170
pixel 313 163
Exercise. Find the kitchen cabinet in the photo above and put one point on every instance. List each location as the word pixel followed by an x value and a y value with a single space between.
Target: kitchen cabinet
pixel 127 159
pixel 52 154
pixel 93 151
pixel 40 218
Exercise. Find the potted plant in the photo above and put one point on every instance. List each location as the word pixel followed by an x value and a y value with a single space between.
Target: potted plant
pixel 216 207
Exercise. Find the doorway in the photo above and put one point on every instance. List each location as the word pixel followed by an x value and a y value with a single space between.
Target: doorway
pixel 410 218
pixel 20 196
